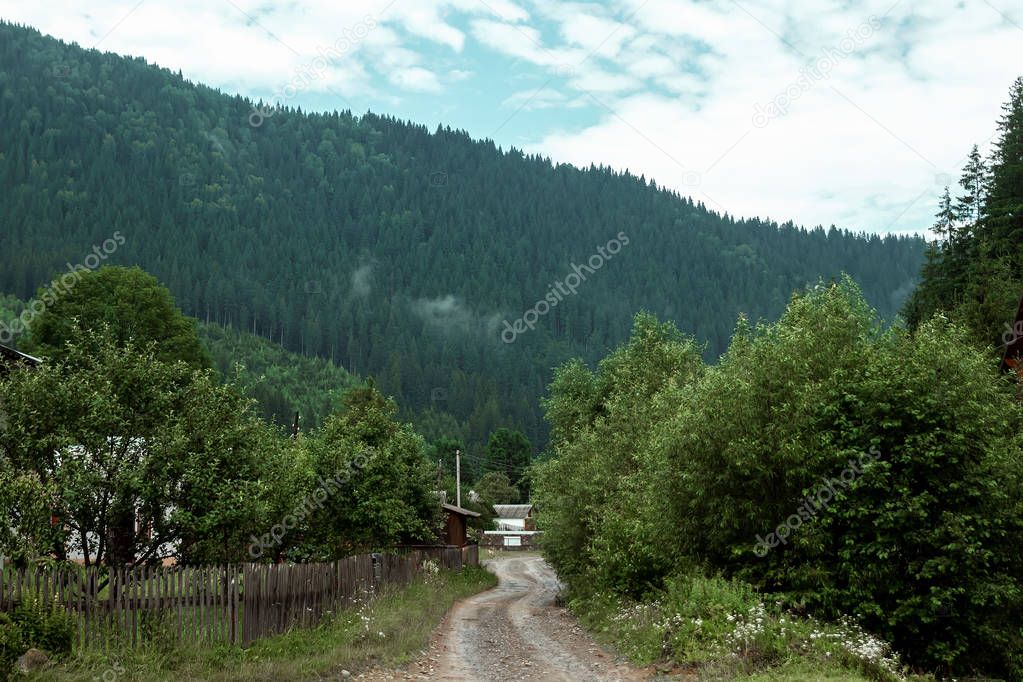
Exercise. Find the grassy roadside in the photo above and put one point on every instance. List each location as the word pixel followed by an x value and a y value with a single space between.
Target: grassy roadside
pixel 724 630
pixel 388 631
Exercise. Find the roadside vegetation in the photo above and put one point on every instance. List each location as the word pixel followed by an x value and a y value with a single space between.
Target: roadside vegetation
pixel 128 436
pixel 826 467
pixel 387 631
pixel 725 630
pixel 124 448
pixel 833 494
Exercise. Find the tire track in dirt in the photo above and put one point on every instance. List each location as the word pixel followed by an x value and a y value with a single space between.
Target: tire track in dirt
pixel 514 632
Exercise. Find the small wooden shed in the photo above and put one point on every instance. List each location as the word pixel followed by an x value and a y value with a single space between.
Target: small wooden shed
pixel 456 530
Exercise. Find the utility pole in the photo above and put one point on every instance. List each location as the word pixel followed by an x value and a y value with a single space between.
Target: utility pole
pixel 458 478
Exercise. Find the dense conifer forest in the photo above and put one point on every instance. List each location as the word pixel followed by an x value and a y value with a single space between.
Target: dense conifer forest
pixel 395 251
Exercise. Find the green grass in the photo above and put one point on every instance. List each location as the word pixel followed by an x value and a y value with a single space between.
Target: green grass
pixel 802 671
pixel 388 631
pixel 724 630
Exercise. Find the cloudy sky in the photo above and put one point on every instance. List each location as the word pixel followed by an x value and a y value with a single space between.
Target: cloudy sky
pixel 822 112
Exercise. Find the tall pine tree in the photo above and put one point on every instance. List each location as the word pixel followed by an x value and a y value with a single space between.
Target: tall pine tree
pixel 1003 210
pixel 945 218
pixel 968 208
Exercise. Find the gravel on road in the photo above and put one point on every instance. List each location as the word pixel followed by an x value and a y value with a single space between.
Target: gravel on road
pixel 514 632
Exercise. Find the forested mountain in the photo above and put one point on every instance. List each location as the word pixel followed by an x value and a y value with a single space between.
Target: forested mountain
pixel 395 251
pixel 281 382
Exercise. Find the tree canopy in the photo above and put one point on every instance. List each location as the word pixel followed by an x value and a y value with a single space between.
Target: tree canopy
pixel 509 452
pixel 496 488
pixel 381 491
pixel 138 458
pixel 131 304
pixel 841 467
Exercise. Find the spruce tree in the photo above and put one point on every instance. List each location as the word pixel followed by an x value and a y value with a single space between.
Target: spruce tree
pixel 1003 210
pixel 945 218
pixel 969 206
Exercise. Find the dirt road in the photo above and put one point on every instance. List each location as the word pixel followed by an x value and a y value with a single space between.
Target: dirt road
pixel 513 632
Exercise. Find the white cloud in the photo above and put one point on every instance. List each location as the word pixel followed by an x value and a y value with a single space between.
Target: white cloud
pixel 596 35
pixel 450 315
pixel 652 65
pixel 676 82
pixel 861 148
pixel 541 98
pixel 423 20
pixel 362 280
pixel 505 10
pixel 517 41
pixel 595 80
pixel 416 79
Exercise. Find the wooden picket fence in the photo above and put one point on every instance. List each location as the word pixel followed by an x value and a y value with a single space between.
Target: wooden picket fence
pixel 235 604
pixel 471 555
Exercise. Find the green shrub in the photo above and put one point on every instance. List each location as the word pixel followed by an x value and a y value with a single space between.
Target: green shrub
pixel 891 463
pixel 631 626
pixel 702 618
pixel 725 630
pixel 594 500
pixel 45 627
pixel 887 465
pixel 10 645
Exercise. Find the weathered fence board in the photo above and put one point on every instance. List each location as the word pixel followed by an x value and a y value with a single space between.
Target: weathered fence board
pixel 238 604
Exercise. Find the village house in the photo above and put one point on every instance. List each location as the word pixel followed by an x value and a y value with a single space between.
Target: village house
pixel 514 527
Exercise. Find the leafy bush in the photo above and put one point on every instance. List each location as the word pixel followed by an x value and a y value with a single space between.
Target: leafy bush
pixel 10 645
pixel 838 466
pixel 594 499
pixel 32 625
pixel 887 464
pixel 49 628
pixel 378 489
pixel 725 628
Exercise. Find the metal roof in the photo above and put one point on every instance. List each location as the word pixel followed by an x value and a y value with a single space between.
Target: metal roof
pixel 513 511
pixel 18 357
pixel 460 510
